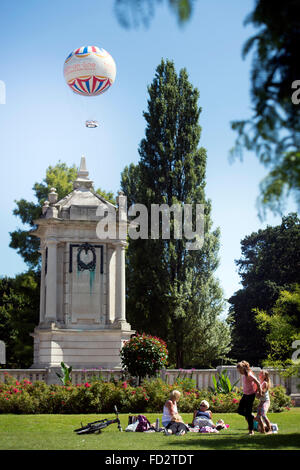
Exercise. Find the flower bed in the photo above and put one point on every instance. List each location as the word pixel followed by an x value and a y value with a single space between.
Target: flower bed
pixel 100 397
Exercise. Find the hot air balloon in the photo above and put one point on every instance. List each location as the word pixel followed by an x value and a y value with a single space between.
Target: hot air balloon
pixel 89 71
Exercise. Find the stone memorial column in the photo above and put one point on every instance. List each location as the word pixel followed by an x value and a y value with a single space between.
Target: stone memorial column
pixel 51 281
pixel 120 283
pixel 42 289
pixel 111 287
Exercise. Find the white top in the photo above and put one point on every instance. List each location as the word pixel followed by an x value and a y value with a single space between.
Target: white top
pixel 166 418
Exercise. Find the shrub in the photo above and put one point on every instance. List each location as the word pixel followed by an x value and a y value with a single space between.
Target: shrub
pixel 158 392
pixel 280 401
pixel 144 355
pixel 185 382
pixel 100 397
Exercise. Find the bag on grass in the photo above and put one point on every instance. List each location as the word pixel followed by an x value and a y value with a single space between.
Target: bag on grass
pixel 143 424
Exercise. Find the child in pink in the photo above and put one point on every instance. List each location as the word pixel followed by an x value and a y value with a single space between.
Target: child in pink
pixel 251 385
pixel 264 403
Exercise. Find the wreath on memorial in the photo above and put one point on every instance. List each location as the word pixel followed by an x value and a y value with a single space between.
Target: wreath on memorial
pixel 82 266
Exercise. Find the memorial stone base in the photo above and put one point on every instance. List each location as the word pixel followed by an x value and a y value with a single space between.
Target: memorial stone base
pixel 79 348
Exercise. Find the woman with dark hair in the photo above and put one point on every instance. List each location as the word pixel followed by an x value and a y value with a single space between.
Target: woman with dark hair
pixel 251 386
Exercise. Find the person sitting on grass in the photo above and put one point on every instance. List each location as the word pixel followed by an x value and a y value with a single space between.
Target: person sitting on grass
pixel 203 417
pixel 171 420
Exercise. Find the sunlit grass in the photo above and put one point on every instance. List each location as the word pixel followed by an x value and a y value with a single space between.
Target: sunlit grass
pixel 56 432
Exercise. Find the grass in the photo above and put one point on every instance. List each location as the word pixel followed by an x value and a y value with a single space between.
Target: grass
pixel 56 432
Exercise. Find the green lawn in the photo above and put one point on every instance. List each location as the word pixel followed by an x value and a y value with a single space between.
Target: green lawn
pixel 55 432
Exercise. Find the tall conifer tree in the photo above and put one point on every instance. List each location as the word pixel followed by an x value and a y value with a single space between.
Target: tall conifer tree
pixel 171 291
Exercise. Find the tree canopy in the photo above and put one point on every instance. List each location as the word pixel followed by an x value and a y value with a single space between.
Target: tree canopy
pixel 282 326
pixel 270 264
pixel 171 290
pixel 133 13
pixel 19 314
pixel 273 130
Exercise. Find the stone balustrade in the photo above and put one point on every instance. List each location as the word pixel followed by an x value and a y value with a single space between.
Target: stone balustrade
pixel 202 377
pixel 80 376
pixel 33 375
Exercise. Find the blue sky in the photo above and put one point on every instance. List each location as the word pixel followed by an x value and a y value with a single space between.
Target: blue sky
pixel 42 121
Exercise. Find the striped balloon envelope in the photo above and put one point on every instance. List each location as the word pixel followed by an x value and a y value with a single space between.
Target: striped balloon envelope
pixel 89 70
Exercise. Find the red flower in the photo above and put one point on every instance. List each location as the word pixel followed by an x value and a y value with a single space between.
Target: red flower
pixel 87 385
pixel 26 382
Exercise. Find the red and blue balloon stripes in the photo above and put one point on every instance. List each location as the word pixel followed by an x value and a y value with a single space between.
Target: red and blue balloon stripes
pixel 85 51
pixel 90 86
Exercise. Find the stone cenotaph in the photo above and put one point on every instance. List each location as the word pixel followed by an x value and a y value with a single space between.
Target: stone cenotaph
pixel 82 295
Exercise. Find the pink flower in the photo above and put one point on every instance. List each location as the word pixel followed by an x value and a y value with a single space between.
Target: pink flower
pixel 87 385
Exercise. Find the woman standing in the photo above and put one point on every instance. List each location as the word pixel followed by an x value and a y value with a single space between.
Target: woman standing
pixel 251 386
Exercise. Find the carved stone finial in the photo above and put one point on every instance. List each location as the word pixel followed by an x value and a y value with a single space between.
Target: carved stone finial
pixel 82 180
pixel 83 173
pixel 53 196
pixel 45 207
